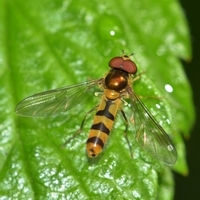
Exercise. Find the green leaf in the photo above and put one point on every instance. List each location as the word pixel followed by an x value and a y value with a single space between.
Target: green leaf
pixel 48 44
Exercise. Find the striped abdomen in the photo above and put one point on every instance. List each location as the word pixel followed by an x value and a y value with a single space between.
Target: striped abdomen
pixel 102 124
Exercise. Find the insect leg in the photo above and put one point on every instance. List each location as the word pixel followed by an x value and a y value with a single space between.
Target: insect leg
pixel 138 76
pixel 125 132
pixel 81 126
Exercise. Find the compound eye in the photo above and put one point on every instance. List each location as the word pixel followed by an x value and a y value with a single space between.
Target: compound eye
pixel 116 62
pixel 123 63
pixel 129 66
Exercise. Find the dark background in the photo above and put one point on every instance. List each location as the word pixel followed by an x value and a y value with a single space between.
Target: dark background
pixel 189 187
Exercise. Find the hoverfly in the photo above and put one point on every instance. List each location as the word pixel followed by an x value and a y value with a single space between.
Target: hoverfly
pixel 116 86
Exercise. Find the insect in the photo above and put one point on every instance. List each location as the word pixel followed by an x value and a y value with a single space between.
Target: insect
pixel 116 86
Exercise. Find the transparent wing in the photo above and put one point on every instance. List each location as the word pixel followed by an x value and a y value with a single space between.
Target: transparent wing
pixel 150 135
pixel 54 102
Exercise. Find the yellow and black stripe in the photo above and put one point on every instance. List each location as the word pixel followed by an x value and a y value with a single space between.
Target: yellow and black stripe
pixel 102 124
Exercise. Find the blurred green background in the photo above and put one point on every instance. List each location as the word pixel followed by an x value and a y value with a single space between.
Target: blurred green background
pixel 189 187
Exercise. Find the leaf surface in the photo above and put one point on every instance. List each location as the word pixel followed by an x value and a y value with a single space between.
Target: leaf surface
pixel 49 44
